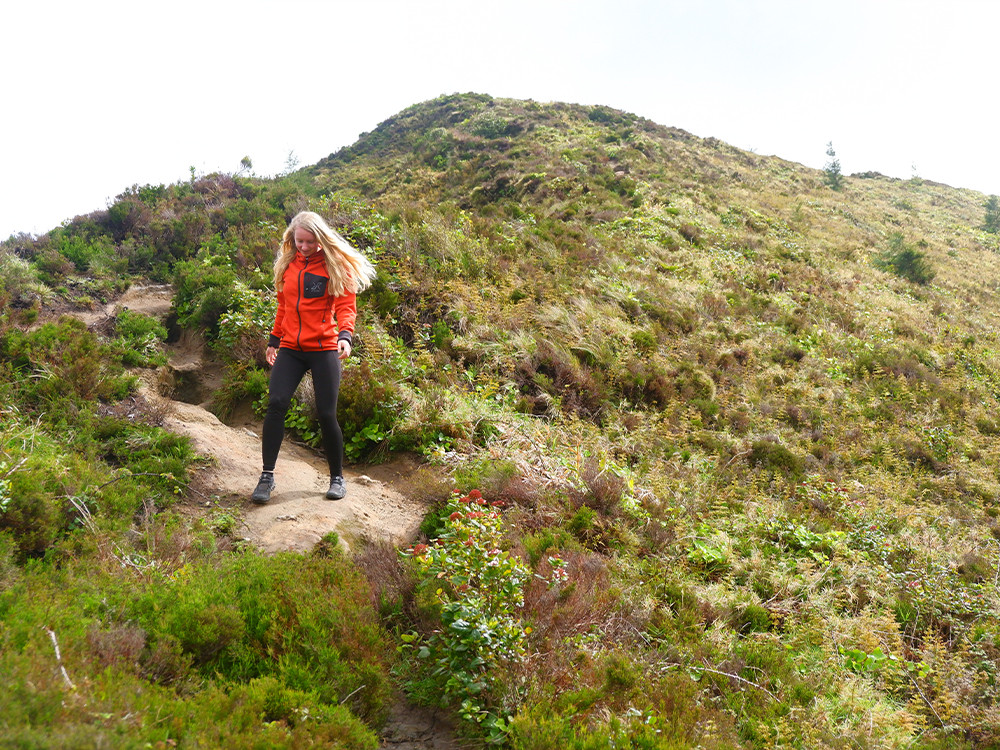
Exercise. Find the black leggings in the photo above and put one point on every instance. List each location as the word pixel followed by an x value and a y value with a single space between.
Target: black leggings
pixel 286 375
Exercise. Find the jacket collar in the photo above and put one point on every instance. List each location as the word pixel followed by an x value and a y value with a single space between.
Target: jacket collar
pixel 308 259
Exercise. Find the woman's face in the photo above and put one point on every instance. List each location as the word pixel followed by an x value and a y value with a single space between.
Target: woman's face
pixel 305 241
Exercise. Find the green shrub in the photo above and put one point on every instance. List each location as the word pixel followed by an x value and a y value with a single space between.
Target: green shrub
pixel 991 219
pixel 41 711
pixel 242 383
pixel 773 456
pixel 34 512
pixel 233 619
pixel 582 522
pixel 142 449
pixel 244 326
pixel 906 261
pixel 370 409
pixel 752 618
pixel 644 341
pixel 85 254
pixel 60 362
pixel 206 288
pixel 52 266
pixel 548 541
pixel 479 589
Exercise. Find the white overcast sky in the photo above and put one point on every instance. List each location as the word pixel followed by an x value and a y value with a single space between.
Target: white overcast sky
pixel 97 96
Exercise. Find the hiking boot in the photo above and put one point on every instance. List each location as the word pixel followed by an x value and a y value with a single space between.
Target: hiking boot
pixel 337 489
pixel 264 486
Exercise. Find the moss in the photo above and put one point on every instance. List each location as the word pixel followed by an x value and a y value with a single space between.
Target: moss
pixel 752 618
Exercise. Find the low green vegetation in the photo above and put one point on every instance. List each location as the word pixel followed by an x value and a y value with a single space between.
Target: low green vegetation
pixel 734 433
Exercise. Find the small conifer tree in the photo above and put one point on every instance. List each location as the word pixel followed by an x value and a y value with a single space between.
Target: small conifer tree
pixel 831 172
pixel 991 223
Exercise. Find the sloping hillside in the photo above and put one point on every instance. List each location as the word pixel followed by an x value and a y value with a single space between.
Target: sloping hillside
pixel 743 424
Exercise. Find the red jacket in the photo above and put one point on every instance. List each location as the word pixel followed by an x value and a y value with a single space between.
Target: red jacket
pixel 306 313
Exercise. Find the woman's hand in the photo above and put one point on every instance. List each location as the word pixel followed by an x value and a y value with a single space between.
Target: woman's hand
pixel 344 347
pixel 270 355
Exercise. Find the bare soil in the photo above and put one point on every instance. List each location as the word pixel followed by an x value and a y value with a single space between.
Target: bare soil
pixel 298 515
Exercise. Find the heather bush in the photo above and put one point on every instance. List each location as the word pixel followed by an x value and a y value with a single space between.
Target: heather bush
pixel 61 363
pixel 230 618
pixel 205 672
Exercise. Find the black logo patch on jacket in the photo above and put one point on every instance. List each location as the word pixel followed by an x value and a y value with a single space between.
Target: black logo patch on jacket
pixel 313 286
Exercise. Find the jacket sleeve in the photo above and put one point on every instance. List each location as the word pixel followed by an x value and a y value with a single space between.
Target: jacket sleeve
pixel 275 337
pixel 345 309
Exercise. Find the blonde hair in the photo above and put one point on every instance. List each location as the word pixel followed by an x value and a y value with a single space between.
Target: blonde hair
pixel 349 270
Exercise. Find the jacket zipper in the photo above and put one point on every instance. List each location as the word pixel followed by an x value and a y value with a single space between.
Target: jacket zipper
pixel 298 311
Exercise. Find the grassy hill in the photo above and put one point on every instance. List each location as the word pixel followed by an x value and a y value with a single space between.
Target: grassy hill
pixel 743 428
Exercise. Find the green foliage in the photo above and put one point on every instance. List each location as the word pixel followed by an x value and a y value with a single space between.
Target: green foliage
pixel 776 457
pixel 644 341
pixel 370 409
pixel 795 537
pixel 243 383
pixel 582 522
pixel 32 513
pixel 73 458
pixel 478 589
pixel 363 440
pixel 62 363
pixel 991 220
pixel 752 619
pixel 857 660
pixel 906 261
pixel 139 339
pixel 489 124
pixel 144 449
pixel 85 254
pixel 246 322
pixel 708 556
pixel 206 289
pixel 230 619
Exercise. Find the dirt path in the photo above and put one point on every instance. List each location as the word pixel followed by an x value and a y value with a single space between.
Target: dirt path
pixel 298 515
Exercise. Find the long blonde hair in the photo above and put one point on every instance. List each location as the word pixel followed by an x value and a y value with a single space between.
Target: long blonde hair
pixel 348 269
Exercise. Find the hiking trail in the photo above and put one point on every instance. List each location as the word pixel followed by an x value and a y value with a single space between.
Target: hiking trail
pixel 298 515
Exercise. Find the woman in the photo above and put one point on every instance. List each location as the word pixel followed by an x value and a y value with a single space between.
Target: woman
pixel 317 275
